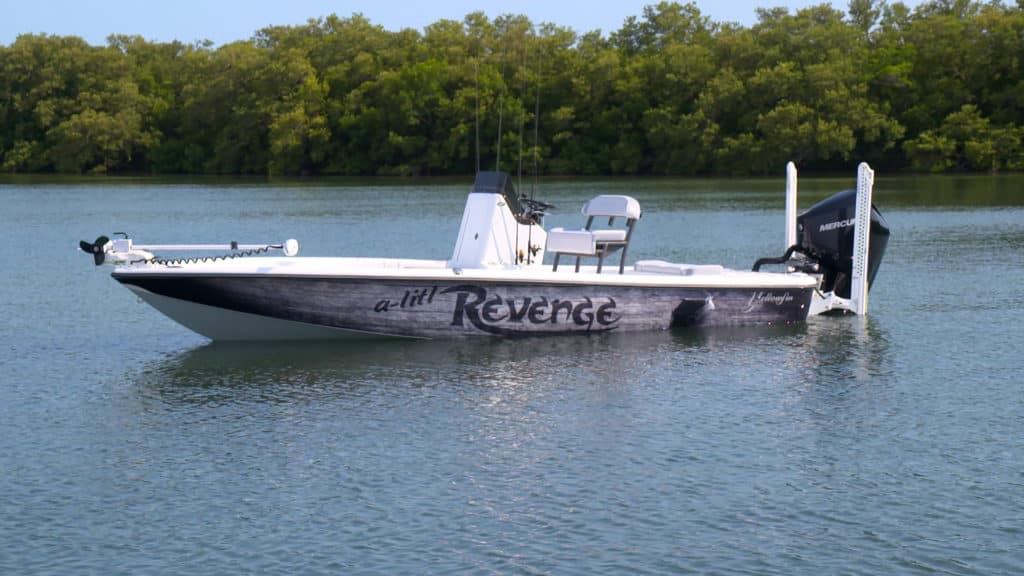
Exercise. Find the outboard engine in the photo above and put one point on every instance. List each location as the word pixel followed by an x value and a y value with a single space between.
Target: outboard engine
pixel 826 239
pixel 825 234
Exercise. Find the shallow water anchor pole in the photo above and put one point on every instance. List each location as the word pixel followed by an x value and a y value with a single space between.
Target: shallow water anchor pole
pixel 861 240
pixel 790 205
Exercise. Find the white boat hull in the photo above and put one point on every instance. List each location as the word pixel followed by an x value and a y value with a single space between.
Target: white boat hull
pixel 297 302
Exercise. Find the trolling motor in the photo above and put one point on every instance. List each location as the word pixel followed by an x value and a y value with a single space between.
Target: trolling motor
pixel 841 239
pixel 124 251
pixel 98 249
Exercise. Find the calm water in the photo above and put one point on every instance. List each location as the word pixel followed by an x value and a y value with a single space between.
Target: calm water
pixel 894 444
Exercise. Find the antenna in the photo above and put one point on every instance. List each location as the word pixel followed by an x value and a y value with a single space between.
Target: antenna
pixel 536 125
pixel 476 82
pixel 522 111
pixel 522 122
pixel 533 185
pixel 501 103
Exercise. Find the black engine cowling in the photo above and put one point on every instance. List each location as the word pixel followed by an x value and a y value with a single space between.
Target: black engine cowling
pixel 825 234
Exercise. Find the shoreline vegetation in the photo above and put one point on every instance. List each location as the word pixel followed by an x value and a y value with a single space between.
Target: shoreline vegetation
pixel 939 88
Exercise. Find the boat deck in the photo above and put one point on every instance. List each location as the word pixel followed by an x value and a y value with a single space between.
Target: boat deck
pixel 643 273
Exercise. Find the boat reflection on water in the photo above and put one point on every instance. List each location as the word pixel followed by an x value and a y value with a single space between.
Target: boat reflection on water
pixel 850 346
pixel 844 348
pixel 493 362
pixel 295 370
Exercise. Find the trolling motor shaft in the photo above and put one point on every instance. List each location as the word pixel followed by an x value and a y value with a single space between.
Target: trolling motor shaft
pixel 125 251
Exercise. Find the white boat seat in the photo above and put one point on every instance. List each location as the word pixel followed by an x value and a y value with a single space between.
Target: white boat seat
pixel 597 242
pixel 582 242
pixel 571 241
pixel 612 205
pixel 609 235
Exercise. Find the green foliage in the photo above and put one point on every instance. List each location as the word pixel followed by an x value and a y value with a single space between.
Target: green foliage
pixel 966 141
pixel 936 88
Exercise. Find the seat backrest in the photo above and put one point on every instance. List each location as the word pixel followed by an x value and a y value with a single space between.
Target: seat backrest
pixel 612 205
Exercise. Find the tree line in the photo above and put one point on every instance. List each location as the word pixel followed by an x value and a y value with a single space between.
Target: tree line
pixel 936 88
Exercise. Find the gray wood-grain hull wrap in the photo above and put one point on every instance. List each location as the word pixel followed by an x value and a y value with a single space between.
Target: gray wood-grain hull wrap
pixel 445 309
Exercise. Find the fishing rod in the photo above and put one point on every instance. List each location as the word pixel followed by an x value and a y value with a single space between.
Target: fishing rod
pixel 501 98
pixel 476 82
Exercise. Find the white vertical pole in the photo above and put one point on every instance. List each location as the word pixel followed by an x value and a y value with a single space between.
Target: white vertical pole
pixel 790 205
pixel 861 239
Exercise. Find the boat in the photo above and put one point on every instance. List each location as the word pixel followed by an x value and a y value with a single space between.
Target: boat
pixel 508 276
